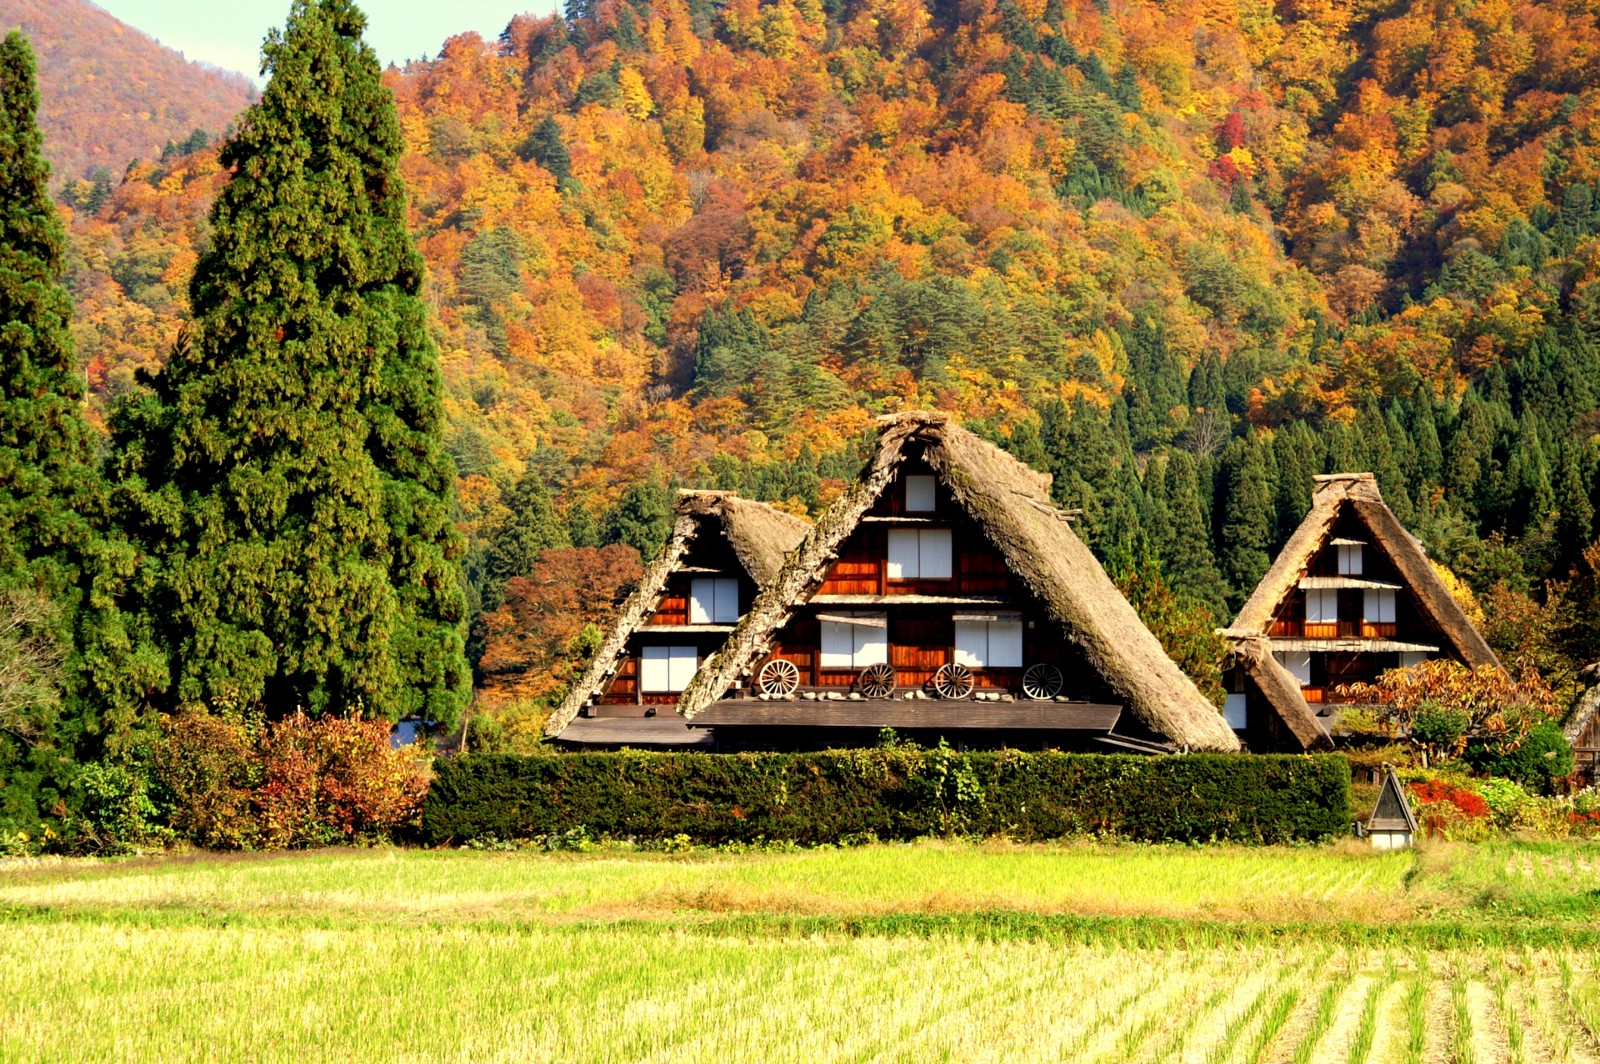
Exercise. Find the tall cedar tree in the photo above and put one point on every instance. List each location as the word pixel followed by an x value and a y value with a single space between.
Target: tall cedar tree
pixel 289 478
pixel 57 573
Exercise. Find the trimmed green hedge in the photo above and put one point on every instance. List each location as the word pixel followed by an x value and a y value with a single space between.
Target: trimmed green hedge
pixel 891 793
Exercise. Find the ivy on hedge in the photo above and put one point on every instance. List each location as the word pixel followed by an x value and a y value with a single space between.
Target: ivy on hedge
pixel 892 793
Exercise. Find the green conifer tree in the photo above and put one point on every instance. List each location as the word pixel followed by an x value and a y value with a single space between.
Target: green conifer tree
pixel 287 474
pixel 1247 518
pixel 642 518
pixel 532 526
pixel 1190 561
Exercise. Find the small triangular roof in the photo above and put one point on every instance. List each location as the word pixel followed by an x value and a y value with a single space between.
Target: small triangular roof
pixel 1393 811
pixel 760 536
pixel 1282 691
pixel 1335 495
pixel 1011 503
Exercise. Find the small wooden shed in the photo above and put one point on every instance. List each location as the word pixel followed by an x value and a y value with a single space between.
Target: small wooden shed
pixel 1393 826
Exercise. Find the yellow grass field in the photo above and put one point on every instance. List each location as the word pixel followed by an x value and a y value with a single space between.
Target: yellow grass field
pixel 929 951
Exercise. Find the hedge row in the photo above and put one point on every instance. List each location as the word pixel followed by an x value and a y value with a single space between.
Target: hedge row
pixel 890 793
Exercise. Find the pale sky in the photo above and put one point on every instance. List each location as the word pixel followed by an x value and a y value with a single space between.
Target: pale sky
pixel 229 34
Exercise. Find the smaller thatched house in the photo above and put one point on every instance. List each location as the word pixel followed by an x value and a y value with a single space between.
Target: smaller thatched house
pixel 944 595
pixel 1351 595
pixel 720 553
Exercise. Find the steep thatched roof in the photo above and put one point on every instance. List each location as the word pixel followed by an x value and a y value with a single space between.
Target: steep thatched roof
pixel 1282 692
pixel 760 536
pixel 1011 503
pixel 1358 492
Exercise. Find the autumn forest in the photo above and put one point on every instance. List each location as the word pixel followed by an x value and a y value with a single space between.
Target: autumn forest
pixel 1182 254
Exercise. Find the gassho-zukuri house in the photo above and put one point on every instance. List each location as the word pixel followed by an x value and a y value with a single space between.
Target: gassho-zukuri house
pixel 722 549
pixel 944 595
pixel 1351 595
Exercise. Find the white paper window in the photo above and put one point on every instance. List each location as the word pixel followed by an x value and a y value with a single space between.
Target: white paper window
pixel 855 640
pixel 1379 606
pixel 667 669
pixel 920 554
pixel 1234 712
pixel 713 600
pixel 1350 560
pixel 1298 662
pixel 1322 606
pixel 989 644
pixel 919 494
pixel 1408 658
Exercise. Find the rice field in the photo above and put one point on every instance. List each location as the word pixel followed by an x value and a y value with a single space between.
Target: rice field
pixel 933 951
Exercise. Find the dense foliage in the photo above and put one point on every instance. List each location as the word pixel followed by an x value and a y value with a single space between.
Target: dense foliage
pixel 891 794
pixel 284 474
pixel 61 641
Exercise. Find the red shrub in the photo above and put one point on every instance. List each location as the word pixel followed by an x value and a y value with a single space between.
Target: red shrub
pixel 1468 803
pixel 335 780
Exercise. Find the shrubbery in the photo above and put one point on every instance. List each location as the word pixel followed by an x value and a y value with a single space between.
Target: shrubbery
pixel 241 783
pixel 889 793
pixel 1542 757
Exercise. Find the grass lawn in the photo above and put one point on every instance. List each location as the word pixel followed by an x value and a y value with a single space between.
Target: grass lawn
pixel 926 951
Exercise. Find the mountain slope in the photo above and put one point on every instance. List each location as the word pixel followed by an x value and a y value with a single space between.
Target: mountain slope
pixel 109 93
pixel 669 240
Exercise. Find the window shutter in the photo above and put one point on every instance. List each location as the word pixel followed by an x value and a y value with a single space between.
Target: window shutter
pixel 1322 605
pixel 1234 712
pixel 684 662
pixel 838 645
pixel 902 553
pixel 920 494
pixel 935 554
pixel 972 643
pixel 727 601
pixel 1378 607
pixel 655 669
pixel 1298 662
pixel 702 600
pixel 1005 644
pixel 871 642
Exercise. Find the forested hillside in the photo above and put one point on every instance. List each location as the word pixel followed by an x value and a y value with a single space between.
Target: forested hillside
pixel 112 95
pixel 1184 255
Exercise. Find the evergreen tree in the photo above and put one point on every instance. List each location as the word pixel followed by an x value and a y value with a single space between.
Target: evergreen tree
pixel 1155 513
pixel 1575 520
pixel 1247 517
pixel 545 147
pixel 1295 452
pixel 1189 559
pixel 642 518
pixel 1425 437
pixel 59 573
pixel 1206 388
pixel 287 474
pixel 532 526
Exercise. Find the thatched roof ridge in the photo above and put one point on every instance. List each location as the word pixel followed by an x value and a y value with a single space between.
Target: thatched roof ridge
pixel 1011 503
pixel 1359 491
pixel 760 536
pixel 1282 691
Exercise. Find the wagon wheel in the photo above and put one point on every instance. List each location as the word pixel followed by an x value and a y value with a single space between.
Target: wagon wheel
pixel 1042 681
pixel 779 677
pixel 876 681
pixel 953 681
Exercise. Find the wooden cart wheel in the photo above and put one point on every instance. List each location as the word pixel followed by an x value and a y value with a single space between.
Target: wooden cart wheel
pixel 953 681
pixel 876 681
pixel 1042 681
pixel 779 677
